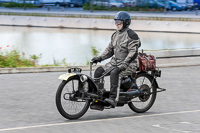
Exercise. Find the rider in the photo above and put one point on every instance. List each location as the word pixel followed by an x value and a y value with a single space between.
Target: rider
pixel 123 49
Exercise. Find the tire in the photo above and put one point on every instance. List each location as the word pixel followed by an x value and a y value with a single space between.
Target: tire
pixel 65 105
pixel 144 83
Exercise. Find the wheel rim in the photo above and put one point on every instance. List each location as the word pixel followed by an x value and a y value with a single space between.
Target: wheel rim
pixel 71 101
pixel 144 100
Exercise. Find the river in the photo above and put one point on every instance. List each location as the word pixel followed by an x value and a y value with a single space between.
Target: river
pixel 75 44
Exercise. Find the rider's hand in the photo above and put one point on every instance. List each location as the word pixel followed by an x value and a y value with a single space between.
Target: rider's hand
pixel 96 59
pixel 123 67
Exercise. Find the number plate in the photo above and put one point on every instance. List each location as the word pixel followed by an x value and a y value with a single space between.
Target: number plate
pixel 74 70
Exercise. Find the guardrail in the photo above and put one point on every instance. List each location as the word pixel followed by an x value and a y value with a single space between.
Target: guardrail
pixel 92 23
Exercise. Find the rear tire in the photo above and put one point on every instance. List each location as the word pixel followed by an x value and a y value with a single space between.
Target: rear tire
pixel 67 102
pixel 148 98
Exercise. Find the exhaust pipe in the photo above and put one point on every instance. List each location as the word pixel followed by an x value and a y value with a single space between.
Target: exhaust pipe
pixel 126 96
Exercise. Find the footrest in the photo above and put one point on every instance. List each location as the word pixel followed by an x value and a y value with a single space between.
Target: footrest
pixel 161 89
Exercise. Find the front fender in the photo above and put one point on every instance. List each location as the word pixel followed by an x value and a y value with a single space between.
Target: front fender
pixel 92 85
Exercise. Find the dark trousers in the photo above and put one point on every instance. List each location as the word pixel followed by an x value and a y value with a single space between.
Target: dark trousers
pixel 114 79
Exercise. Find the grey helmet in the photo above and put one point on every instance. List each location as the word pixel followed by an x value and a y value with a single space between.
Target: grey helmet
pixel 125 17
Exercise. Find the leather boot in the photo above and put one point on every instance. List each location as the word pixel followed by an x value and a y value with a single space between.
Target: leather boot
pixel 114 80
pixel 113 93
pixel 111 101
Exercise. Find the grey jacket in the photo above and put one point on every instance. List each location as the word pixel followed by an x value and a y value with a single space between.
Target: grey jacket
pixel 123 48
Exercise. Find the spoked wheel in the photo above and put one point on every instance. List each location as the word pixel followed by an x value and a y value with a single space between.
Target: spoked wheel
pixel 145 101
pixel 69 99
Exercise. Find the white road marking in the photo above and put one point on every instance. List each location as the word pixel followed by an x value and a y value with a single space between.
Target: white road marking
pixel 90 121
pixel 158 126
pixel 185 122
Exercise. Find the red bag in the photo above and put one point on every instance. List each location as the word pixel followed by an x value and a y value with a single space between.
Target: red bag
pixel 146 62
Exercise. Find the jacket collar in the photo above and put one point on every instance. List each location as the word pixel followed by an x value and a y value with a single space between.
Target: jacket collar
pixel 123 30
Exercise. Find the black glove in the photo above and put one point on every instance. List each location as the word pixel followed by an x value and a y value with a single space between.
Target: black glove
pixel 123 67
pixel 96 59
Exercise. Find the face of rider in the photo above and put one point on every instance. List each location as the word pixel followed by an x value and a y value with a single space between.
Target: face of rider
pixel 119 24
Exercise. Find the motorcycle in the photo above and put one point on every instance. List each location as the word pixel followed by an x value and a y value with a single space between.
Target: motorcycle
pixel 77 92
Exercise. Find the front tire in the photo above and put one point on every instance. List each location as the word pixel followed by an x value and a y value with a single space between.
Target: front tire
pixel 68 100
pixel 146 100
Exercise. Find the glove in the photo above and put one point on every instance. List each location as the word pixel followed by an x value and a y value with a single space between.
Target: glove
pixel 96 59
pixel 123 67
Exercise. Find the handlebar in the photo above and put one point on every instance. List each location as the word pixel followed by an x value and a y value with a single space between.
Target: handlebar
pixel 91 63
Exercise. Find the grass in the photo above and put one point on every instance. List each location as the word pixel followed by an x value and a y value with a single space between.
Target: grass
pixel 15 58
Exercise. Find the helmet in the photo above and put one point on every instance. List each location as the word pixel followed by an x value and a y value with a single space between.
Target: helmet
pixel 125 17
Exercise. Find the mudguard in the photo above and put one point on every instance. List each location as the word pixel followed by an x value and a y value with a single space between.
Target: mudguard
pixel 92 85
pixel 150 76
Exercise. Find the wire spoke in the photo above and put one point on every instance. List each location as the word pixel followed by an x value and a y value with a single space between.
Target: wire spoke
pixel 71 103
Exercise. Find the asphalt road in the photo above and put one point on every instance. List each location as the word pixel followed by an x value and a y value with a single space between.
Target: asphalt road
pixel 28 106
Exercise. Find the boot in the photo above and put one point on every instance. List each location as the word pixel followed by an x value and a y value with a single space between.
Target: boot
pixel 114 80
pixel 113 93
pixel 111 101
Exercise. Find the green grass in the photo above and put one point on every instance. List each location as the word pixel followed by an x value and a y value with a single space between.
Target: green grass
pixel 14 58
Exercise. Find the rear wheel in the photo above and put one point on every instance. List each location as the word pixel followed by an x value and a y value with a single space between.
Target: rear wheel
pixel 147 98
pixel 68 99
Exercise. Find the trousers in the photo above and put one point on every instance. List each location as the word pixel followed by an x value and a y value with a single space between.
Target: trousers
pixel 114 79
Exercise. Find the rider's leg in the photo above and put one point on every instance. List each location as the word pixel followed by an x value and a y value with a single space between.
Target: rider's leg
pixel 114 81
pixel 98 73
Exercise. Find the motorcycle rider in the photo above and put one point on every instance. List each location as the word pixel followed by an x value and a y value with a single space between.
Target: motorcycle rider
pixel 123 49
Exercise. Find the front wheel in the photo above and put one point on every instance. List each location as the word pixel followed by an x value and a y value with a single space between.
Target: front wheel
pixel 68 99
pixel 147 98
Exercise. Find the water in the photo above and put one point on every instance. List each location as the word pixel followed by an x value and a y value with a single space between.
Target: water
pixel 75 44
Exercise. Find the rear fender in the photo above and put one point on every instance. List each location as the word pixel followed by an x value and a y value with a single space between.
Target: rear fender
pixel 154 79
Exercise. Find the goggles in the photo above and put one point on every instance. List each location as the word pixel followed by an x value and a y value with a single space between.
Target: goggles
pixel 118 22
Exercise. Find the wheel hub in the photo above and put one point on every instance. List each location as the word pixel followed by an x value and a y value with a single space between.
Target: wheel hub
pixel 145 93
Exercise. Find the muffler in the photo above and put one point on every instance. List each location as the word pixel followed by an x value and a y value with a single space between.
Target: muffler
pixel 127 96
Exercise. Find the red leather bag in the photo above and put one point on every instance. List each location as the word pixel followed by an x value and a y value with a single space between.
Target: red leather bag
pixel 146 62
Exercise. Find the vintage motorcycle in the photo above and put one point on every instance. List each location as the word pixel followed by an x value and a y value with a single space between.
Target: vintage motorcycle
pixel 77 92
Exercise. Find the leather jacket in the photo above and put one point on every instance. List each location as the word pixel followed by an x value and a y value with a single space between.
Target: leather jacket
pixel 123 48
